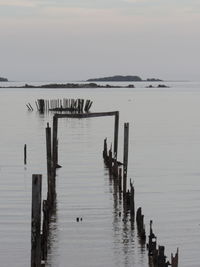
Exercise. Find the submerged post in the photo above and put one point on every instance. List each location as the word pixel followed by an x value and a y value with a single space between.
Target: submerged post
pixel 36 220
pixel 125 161
pixel 116 133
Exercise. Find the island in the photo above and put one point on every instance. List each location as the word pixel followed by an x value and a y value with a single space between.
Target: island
pixel 121 78
pixel 3 79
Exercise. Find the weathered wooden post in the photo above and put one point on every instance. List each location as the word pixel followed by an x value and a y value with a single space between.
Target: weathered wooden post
pixel 55 138
pixel 140 224
pixel 36 220
pixel 132 201
pixel 152 244
pixel 50 183
pixel 116 132
pixel 115 169
pixel 120 180
pixel 110 159
pixel 45 229
pixel 125 161
pixel 41 105
pixel 174 259
pixel 105 153
pixel 25 154
pixel 161 258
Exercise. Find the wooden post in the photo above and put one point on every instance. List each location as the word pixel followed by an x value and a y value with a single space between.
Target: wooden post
pixel 152 241
pixel 41 105
pixel 36 220
pixel 132 201
pixel 45 229
pixel 50 185
pixel 116 134
pixel 105 153
pixel 161 259
pixel 120 180
pixel 110 159
pixel 115 169
pixel 126 139
pixel 25 154
pixel 174 259
pixel 140 224
pixel 55 138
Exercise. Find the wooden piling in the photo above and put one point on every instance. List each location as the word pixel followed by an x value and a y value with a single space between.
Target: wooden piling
pixel 115 168
pixel 105 153
pixel 41 105
pixel 45 229
pixel 120 180
pixel 36 220
pixel 161 258
pixel 125 161
pixel 50 181
pixel 174 259
pixel 132 201
pixel 140 224
pixel 152 244
pixel 25 154
pixel 110 159
pixel 55 138
pixel 116 132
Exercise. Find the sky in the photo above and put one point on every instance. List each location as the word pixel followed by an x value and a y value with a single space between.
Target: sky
pixel 65 40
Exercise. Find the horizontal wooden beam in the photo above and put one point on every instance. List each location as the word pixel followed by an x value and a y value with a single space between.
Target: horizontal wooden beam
pixel 87 115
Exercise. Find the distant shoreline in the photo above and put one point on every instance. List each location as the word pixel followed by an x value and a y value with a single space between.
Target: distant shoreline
pixel 78 86
pixel 69 85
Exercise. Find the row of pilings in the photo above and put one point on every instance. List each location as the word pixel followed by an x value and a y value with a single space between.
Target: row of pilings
pixel 40 219
pixel 118 171
pixel 66 104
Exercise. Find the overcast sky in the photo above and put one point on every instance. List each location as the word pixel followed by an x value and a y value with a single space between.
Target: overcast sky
pixel 62 40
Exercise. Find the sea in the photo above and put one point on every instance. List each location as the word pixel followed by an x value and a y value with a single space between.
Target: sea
pixel 163 163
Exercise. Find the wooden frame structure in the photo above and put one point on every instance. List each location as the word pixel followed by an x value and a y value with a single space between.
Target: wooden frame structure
pixel 81 116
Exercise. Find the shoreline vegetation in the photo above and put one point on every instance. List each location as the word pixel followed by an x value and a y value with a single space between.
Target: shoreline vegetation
pixel 79 86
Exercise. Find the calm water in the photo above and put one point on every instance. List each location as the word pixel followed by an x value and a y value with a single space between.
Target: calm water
pixel 164 162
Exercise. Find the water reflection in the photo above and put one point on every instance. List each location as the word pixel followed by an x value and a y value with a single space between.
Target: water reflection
pixel 52 244
pixel 123 227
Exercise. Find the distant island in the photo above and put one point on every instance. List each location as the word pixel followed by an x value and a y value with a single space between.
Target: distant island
pixel 3 79
pixel 120 78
